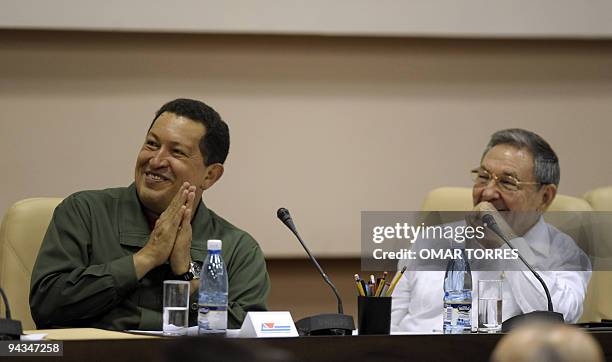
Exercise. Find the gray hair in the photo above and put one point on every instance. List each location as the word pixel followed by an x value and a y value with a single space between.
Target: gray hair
pixel 545 162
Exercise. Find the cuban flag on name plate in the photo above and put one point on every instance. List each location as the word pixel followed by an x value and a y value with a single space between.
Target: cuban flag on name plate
pixel 274 328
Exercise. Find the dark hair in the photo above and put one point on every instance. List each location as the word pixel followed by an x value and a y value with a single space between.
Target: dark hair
pixel 545 162
pixel 214 145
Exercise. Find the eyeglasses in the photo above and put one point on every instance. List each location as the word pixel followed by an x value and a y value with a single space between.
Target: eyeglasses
pixel 482 177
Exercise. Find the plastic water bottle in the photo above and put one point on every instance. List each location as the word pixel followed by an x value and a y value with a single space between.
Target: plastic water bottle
pixel 457 314
pixel 212 315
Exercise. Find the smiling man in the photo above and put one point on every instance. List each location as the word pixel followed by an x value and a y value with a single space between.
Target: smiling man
pixel 518 175
pixel 106 253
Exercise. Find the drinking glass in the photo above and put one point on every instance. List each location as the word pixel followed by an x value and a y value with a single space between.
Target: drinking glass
pixel 176 307
pixel 489 306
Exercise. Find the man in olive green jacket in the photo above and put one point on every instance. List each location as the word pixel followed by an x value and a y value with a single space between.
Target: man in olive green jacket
pixel 106 253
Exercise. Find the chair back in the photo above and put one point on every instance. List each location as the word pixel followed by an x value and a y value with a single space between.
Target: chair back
pixel 460 199
pixel 22 231
pixel 600 293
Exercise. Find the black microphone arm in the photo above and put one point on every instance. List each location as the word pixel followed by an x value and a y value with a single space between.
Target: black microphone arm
pixel 6 304
pixel 285 217
pixel 10 329
pixel 492 224
pixel 549 316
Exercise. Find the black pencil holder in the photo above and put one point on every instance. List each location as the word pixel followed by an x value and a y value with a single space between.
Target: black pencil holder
pixel 374 315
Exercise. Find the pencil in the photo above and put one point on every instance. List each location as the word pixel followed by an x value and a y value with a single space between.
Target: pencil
pixel 364 286
pixel 396 279
pixel 383 281
pixel 371 289
pixel 359 287
pixel 379 288
pixel 384 290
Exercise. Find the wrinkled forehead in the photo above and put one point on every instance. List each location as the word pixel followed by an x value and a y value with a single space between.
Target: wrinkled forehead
pixel 508 160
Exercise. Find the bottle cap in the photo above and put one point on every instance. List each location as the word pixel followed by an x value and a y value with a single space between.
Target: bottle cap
pixel 214 244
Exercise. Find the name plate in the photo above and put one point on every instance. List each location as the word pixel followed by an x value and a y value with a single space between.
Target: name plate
pixel 268 324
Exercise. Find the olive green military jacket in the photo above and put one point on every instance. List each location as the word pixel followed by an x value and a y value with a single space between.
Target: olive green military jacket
pixel 84 274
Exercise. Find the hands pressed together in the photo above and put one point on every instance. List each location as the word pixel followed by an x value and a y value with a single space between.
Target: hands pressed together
pixel 170 239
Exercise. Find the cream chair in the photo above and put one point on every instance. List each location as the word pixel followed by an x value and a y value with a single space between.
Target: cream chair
pixel 460 199
pixel 599 295
pixel 600 199
pixel 23 228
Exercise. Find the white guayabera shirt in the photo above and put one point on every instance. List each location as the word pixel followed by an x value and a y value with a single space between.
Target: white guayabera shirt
pixel 418 297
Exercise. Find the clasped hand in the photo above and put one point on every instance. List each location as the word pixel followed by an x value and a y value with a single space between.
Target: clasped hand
pixel 171 236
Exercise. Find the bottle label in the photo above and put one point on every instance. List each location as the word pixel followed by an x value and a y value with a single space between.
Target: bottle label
pixel 212 319
pixel 458 314
pixel 210 308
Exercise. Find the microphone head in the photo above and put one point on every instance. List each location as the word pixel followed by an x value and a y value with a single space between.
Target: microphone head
pixel 489 220
pixel 283 214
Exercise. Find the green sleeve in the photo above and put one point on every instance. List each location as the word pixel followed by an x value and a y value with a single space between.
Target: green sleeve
pixel 249 283
pixel 65 289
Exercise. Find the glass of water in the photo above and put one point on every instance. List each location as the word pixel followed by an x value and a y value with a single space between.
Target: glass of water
pixel 489 306
pixel 176 303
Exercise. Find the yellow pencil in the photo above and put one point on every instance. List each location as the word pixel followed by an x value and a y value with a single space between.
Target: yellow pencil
pixel 385 288
pixel 359 287
pixel 396 279
pixel 379 288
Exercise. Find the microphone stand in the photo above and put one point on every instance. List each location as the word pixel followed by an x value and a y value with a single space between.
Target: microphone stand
pixel 547 316
pixel 320 324
pixel 9 329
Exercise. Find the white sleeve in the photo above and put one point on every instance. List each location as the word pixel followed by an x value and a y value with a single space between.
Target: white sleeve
pixel 567 288
pixel 400 302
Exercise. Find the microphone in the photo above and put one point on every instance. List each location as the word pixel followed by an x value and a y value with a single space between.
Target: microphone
pixel 9 329
pixel 285 217
pixel 541 316
pixel 321 324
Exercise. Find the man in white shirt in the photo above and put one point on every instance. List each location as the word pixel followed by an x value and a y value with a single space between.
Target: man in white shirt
pixel 519 173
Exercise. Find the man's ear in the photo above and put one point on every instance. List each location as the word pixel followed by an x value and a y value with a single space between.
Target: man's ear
pixel 213 174
pixel 549 191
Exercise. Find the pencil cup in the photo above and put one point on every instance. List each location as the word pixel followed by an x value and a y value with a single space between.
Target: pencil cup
pixel 374 315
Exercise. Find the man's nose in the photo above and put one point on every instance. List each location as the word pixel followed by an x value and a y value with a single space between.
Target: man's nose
pixel 490 191
pixel 159 159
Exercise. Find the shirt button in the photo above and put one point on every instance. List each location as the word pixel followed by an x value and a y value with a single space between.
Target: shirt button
pixel 194 306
